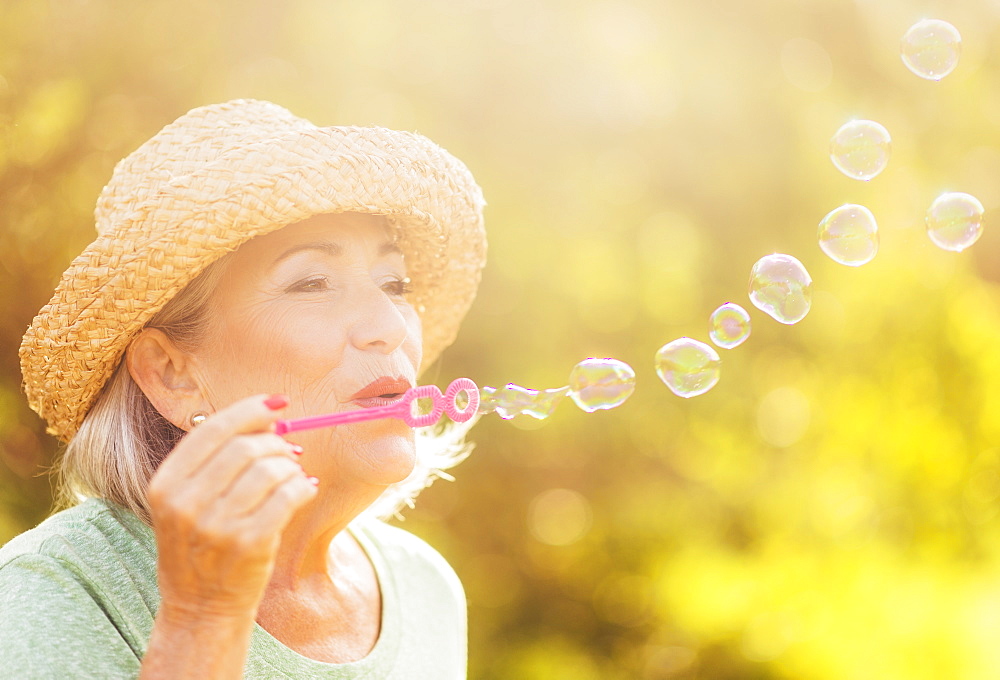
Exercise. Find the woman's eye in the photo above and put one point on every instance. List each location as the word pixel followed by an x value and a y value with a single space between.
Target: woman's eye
pixel 309 285
pixel 398 287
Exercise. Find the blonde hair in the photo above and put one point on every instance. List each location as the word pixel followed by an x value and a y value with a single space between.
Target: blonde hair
pixel 123 438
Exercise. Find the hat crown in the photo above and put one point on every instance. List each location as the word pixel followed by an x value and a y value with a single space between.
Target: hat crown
pixel 188 144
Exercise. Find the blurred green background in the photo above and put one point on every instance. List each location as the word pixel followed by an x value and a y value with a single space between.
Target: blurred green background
pixel 828 511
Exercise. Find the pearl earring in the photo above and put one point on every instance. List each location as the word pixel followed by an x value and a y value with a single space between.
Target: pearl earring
pixel 198 418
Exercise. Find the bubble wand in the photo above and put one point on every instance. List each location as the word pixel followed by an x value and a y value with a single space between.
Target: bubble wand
pixel 402 409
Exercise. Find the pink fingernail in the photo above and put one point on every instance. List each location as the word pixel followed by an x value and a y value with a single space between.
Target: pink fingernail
pixel 313 480
pixel 297 450
pixel 276 401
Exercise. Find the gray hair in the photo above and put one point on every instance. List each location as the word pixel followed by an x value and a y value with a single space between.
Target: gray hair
pixel 123 438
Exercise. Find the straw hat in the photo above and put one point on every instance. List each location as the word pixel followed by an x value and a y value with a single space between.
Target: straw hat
pixel 217 177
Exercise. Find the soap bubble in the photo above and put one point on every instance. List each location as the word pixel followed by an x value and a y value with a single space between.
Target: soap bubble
pixel 688 367
pixel 849 235
pixel 781 286
pixel 729 326
pixel 601 384
pixel 860 149
pixel 955 221
pixel 930 48
pixel 513 400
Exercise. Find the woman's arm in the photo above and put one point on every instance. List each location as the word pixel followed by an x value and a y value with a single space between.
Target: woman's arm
pixel 219 503
pixel 197 645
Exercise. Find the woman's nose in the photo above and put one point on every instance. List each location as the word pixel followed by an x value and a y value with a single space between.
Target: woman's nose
pixel 379 323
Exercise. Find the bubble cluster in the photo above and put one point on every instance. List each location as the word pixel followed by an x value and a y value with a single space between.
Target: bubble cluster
pixel 930 48
pixel 955 221
pixel 860 149
pixel 781 287
pixel 596 384
pixel 688 367
pixel 729 326
pixel 779 284
pixel 513 400
pixel 849 235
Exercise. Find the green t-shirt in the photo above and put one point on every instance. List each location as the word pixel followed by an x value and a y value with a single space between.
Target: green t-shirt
pixel 78 597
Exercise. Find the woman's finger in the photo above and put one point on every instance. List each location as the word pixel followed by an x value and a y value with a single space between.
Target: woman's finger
pixel 257 482
pixel 221 470
pixel 276 510
pixel 251 415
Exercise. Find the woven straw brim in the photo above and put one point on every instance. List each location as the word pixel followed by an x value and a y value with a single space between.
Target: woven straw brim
pixel 138 264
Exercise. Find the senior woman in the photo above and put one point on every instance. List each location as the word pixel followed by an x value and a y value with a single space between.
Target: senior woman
pixel 249 266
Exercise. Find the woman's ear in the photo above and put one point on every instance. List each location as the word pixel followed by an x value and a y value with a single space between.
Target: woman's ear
pixel 164 373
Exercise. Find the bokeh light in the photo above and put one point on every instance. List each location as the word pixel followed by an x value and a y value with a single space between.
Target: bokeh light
pixel 559 516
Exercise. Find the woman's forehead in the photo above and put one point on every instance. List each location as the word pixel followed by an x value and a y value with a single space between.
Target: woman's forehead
pixel 330 231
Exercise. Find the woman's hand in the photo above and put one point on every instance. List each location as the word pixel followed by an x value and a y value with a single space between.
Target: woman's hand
pixel 219 504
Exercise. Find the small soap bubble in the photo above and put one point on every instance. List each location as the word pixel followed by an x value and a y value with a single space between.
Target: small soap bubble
pixel 487 400
pixel 849 235
pixel 931 48
pixel 596 384
pixel 781 287
pixel 955 221
pixel 860 149
pixel 688 367
pixel 729 326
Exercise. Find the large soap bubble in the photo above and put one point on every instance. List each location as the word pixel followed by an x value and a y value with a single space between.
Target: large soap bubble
pixel 849 235
pixel 930 48
pixel 688 367
pixel 860 149
pixel 781 287
pixel 955 221
pixel 596 384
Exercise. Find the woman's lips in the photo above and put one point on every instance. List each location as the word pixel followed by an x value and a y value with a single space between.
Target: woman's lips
pixel 376 401
pixel 381 392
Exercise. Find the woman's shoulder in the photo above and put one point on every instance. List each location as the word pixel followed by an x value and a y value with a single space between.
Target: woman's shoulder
pixel 395 542
pixel 92 530
pixel 413 561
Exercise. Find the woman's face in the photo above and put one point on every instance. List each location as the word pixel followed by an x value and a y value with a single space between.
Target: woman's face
pixel 318 311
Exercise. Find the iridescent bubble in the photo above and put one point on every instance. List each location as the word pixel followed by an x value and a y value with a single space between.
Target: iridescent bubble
pixel 931 48
pixel 781 287
pixel 729 326
pixel 688 367
pixel 596 384
pixel 487 399
pixel 955 221
pixel 849 235
pixel 513 400
pixel 860 149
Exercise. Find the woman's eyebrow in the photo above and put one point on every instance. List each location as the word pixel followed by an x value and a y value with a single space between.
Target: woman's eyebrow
pixel 333 249
pixel 389 248
pixel 326 247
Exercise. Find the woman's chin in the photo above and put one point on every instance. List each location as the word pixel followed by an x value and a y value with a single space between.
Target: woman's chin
pixel 388 459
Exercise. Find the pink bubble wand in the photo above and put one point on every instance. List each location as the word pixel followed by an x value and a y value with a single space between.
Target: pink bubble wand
pixel 402 409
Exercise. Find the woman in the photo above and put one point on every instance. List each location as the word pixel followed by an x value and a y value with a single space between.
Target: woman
pixel 249 266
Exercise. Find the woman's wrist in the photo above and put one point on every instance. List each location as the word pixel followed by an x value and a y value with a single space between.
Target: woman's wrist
pixel 194 615
pixel 197 642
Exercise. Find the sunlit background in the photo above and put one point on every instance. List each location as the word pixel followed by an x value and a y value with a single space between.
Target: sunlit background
pixel 828 511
